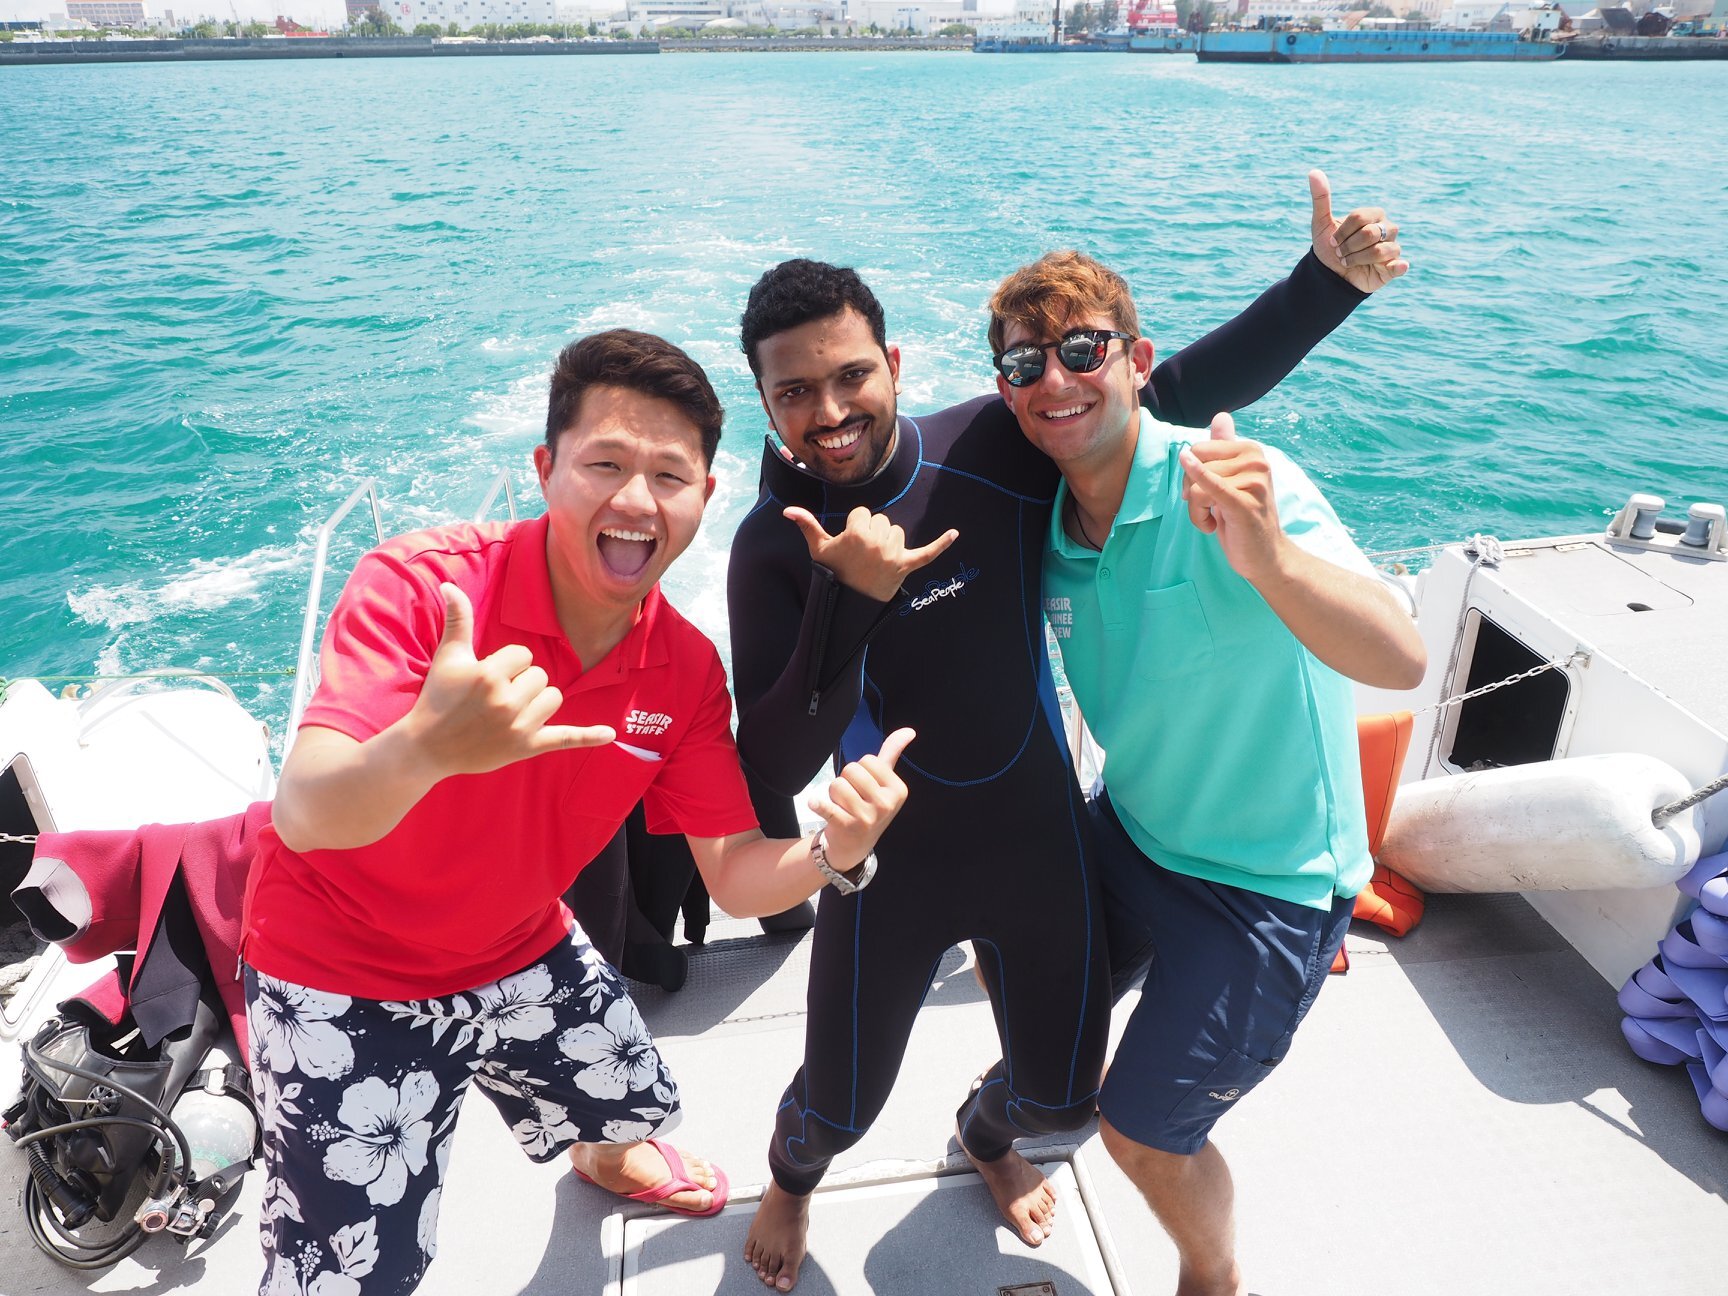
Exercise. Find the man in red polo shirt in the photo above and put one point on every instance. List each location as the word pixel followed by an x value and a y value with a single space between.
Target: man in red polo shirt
pixel 494 700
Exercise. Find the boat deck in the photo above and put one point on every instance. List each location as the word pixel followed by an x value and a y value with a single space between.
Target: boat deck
pixel 1665 612
pixel 1459 1115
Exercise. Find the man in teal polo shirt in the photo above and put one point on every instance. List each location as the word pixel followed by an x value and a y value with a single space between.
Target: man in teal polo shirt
pixel 1211 613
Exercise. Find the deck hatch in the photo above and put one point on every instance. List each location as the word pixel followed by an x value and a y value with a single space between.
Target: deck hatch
pixel 918 1233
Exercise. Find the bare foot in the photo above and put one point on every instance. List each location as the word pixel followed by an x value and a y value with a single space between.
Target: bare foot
pixel 626 1168
pixel 775 1245
pixel 1022 1193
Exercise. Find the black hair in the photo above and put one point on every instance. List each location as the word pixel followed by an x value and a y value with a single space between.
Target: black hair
pixel 639 362
pixel 798 291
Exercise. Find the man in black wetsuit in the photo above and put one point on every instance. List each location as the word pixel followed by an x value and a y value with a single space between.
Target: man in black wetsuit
pixel 935 570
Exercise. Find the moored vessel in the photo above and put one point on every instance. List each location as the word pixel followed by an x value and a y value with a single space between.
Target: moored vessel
pixel 1608 45
pixel 1360 46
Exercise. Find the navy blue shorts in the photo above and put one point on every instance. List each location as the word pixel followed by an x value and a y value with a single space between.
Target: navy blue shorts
pixel 1231 975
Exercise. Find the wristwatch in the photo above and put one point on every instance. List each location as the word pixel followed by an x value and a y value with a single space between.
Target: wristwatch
pixel 844 883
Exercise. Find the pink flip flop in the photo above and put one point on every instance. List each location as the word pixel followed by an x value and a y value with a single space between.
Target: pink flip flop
pixel 679 1182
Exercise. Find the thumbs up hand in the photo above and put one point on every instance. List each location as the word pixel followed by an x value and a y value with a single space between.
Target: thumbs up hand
pixel 1230 495
pixel 474 715
pixel 862 801
pixel 1362 249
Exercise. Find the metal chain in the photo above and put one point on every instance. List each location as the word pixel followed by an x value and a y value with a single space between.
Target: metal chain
pixel 1576 659
pixel 1484 551
pixel 22 839
pixel 1662 814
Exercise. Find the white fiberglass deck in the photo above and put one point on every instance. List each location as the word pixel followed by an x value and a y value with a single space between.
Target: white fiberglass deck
pixel 1663 612
pixel 1459 1115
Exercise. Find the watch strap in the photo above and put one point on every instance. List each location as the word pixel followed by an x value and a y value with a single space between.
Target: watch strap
pixel 862 873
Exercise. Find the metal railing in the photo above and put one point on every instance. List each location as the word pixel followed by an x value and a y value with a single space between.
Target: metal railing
pixel 500 485
pixel 306 665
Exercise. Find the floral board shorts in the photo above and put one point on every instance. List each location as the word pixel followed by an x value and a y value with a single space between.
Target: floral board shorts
pixel 359 1101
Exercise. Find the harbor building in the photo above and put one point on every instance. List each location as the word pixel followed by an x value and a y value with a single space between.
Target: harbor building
pixel 690 14
pixel 795 17
pixel 409 14
pixel 1300 13
pixel 108 13
pixel 904 15
pixel 1026 23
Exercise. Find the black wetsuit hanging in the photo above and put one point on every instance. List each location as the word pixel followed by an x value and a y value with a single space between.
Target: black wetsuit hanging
pixel 989 846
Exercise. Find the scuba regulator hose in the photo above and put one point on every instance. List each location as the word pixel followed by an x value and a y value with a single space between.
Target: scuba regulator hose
pixel 49 1199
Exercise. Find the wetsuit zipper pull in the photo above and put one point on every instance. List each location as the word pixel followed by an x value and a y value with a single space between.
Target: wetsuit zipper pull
pixel 815 702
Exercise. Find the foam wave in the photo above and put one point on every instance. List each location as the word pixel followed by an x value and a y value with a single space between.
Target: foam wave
pixel 205 585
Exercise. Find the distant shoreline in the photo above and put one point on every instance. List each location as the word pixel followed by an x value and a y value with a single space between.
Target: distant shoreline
pixel 248 49
pixel 1603 47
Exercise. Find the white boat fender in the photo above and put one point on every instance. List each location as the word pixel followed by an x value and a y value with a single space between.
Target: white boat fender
pixel 1582 824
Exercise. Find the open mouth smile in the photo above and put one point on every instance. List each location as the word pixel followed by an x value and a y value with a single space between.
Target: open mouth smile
pixel 1065 412
pixel 625 552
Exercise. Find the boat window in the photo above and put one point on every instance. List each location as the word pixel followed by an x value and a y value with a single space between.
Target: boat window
pixel 16 819
pixel 1514 725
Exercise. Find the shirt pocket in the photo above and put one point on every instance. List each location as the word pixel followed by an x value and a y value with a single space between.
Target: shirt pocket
pixel 606 783
pixel 1174 638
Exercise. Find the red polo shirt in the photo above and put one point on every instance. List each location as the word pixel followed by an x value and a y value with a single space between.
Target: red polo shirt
pixel 466 888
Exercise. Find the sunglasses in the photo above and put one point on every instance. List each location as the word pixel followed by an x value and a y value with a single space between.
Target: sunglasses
pixel 1081 351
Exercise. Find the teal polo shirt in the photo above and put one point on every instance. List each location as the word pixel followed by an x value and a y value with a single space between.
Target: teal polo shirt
pixel 1230 749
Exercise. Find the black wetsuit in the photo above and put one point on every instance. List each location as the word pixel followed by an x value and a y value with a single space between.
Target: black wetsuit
pixel 989 846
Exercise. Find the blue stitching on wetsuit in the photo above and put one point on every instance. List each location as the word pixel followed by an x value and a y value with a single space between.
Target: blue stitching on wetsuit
pixel 997 486
pixel 911 480
pixel 801 1138
pixel 768 497
pixel 805 1111
pixel 977 1102
pixel 1002 989
pixel 1086 984
pixel 1034 655
pixel 1014 760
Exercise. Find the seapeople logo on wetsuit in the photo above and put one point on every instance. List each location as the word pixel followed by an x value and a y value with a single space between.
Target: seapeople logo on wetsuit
pixel 940 588
pixel 1059 612
pixel 647 722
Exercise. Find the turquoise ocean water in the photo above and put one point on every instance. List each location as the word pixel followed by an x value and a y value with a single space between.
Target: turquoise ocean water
pixel 229 292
